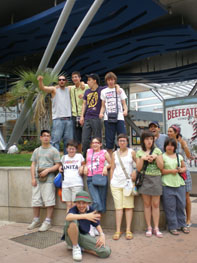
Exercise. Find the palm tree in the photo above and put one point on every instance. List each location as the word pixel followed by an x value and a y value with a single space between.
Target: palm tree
pixel 25 86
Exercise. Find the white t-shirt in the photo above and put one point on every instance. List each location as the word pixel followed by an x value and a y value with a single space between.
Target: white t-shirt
pixel 109 96
pixel 71 170
pixel 119 179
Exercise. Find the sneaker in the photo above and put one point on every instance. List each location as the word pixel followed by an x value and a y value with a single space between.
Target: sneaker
pixel 45 226
pixel 77 256
pixel 33 225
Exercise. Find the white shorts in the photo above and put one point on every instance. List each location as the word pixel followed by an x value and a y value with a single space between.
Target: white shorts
pixel 69 194
pixel 43 194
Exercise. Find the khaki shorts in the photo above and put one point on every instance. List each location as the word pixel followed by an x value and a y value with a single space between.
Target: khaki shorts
pixel 43 194
pixel 121 201
pixel 87 242
pixel 69 194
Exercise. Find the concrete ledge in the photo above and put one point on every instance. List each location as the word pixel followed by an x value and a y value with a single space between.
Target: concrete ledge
pixel 15 202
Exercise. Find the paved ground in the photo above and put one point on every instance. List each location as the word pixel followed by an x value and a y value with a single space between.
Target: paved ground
pixel 170 249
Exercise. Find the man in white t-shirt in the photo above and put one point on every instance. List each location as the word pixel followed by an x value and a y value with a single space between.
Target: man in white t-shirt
pixel 113 109
pixel 72 168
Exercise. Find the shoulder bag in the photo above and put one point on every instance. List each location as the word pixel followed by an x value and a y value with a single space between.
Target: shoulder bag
pixel 127 191
pixel 182 175
pixel 140 175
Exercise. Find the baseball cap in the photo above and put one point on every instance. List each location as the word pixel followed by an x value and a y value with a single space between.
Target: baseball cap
pixel 155 123
pixel 83 196
pixel 95 77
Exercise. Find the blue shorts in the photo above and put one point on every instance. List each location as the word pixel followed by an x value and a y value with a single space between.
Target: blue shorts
pixel 110 132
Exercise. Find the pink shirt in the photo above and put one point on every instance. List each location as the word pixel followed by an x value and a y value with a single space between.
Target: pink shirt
pixel 95 162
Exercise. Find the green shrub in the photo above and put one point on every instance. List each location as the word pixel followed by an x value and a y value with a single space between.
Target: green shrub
pixel 28 146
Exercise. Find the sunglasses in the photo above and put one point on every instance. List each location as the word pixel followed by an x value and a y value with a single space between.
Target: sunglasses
pixel 61 79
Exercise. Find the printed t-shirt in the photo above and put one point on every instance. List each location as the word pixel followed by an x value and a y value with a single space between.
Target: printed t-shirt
pixel 171 180
pixel 109 96
pixel 71 170
pixel 93 103
pixel 152 168
pixel 95 161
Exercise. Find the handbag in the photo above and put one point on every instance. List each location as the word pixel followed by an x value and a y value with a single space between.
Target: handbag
pixel 127 190
pixel 59 178
pixel 182 175
pixel 140 175
pixel 41 178
pixel 97 179
pixel 113 116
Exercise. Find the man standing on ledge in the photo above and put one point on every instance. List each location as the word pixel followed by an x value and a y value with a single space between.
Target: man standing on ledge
pixel 62 127
pixel 90 112
pixel 45 161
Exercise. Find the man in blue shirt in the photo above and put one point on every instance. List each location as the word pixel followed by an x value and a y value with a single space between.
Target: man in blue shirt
pixel 76 230
pixel 154 127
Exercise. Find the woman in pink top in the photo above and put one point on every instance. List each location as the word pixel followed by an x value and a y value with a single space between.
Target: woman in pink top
pixel 96 164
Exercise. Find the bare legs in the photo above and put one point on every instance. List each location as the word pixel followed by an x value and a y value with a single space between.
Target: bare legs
pixel 128 215
pixel 151 207
pixel 36 211
pixel 69 205
pixel 188 208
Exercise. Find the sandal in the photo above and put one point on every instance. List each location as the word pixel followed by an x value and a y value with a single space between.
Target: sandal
pixel 149 232
pixel 174 232
pixel 128 235
pixel 117 235
pixel 157 232
pixel 185 230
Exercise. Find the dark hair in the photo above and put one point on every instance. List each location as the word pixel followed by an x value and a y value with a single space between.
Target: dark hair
pixel 144 135
pixel 96 138
pixel 72 143
pixel 110 75
pixel 122 135
pixel 76 73
pixel 176 129
pixel 170 141
pixel 43 131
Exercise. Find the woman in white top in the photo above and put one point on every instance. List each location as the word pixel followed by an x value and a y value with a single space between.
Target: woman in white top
pixel 118 181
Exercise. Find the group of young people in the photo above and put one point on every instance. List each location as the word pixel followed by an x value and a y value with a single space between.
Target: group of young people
pixel 159 159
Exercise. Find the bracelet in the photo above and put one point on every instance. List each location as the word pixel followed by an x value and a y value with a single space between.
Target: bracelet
pixel 102 234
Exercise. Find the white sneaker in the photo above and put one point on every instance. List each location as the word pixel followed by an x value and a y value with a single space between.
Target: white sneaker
pixel 33 225
pixel 92 232
pixel 77 256
pixel 45 226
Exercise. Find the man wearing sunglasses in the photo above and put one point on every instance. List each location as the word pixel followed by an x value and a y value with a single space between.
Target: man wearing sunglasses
pixel 62 126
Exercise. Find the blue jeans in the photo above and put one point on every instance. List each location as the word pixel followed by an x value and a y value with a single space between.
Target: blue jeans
pixel 98 194
pixel 174 206
pixel 110 132
pixel 62 129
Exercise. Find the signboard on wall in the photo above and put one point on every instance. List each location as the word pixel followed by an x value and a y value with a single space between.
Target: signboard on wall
pixel 183 113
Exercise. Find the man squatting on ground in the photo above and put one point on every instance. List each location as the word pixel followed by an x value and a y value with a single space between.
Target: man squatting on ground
pixel 76 230
pixel 45 161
